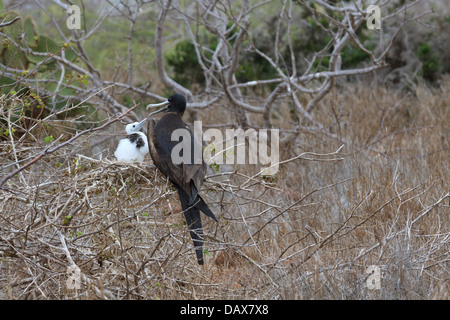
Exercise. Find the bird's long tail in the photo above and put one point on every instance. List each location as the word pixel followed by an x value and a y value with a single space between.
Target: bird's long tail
pixel 202 206
pixel 194 221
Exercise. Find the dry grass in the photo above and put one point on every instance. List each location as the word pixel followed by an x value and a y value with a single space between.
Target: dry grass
pixel 311 233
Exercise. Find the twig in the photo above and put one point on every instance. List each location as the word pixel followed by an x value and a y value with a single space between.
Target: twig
pixel 4 24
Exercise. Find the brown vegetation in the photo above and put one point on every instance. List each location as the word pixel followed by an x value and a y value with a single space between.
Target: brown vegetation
pixel 309 233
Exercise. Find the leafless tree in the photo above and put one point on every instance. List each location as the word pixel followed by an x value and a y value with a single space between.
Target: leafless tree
pixel 230 23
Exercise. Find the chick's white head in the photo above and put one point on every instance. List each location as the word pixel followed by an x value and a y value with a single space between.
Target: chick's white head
pixel 135 126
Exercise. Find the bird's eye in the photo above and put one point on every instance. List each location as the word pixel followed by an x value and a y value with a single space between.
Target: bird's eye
pixel 134 126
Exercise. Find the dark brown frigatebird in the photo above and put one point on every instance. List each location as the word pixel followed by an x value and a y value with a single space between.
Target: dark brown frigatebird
pixel 187 176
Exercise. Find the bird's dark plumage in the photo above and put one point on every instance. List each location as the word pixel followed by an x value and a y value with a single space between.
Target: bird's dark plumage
pixel 136 137
pixel 187 178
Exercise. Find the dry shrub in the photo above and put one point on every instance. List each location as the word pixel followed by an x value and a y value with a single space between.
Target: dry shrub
pixel 309 233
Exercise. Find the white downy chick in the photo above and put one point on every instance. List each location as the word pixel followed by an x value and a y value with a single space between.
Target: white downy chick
pixel 135 146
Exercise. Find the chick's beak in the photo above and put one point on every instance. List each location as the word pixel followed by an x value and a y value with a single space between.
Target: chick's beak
pixel 140 125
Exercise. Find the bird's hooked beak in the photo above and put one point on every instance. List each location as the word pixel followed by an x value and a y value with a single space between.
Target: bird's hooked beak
pixel 162 104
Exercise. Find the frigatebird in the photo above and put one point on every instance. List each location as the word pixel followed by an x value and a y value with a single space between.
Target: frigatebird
pixel 186 177
pixel 135 146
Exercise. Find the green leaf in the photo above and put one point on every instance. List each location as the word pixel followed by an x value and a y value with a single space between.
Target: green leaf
pixel 44 45
pixel 30 32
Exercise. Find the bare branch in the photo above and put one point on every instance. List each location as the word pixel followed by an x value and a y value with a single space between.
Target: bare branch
pixel 50 150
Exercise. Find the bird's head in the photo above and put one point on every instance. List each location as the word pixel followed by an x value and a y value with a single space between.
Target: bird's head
pixel 135 126
pixel 175 103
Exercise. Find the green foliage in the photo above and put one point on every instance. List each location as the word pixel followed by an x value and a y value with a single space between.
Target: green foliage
pixel 184 64
pixel 253 66
pixel 66 220
pixel 7 84
pixel 38 99
pixel 215 167
pixel 11 55
pixel 352 55
pixel 23 34
pixel 430 63
pixel 49 139
pixel 187 71
pixel 30 32
pixel 317 39
pixel 44 45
